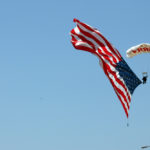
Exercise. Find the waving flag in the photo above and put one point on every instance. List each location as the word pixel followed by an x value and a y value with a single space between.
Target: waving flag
pixel 122 78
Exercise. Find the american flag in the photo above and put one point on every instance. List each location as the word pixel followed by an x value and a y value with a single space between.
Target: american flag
pixel 122 78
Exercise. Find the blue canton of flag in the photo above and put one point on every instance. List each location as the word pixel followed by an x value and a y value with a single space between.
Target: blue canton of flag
pixel 129 77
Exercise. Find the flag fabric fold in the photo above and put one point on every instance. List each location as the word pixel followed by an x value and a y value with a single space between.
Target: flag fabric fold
pixel 122 78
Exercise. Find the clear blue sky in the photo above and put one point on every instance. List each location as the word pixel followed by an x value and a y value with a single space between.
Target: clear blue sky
pixel 53 97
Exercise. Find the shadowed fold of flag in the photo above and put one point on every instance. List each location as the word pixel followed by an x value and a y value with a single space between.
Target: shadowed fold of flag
pixel 122 78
